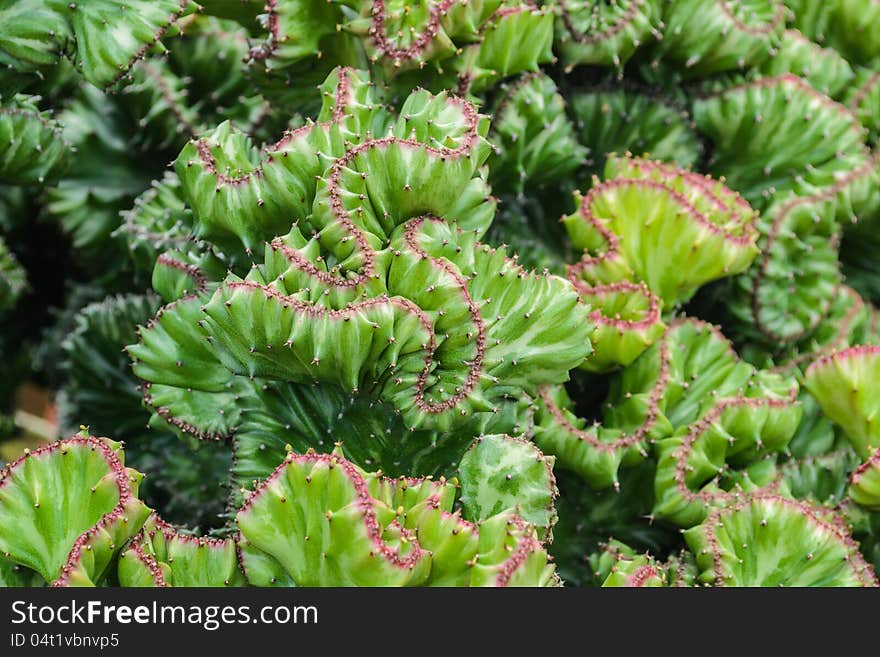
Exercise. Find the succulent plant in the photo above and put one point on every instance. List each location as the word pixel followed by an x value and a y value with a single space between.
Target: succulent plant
pixel 439 293
pixel 73 542
pixel 37 32
pixel 843 383
pixel 459 44
pixel 376 531
pixel 768 540
pixel 441 322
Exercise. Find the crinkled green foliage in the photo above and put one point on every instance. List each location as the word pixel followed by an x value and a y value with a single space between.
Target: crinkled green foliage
pixel 358 247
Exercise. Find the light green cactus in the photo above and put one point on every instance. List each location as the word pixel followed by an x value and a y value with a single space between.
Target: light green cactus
pixel 35 33
pixel 159 555
pixel 690 374
pixel 769 540
pixel 68 508
pixel 381 292
pixel 320 520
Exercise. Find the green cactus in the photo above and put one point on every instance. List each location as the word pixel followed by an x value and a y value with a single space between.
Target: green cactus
pixel 535 142
pixel 696 219
pixel 159 555
pixel 465 45
pixel 727 453
pixel 618 565
pixel 375 531
pixel 762 159
pixel 442 322
pixel 33 148
pixel 702 37
pixel 863 100
pixel 35 33
pixel 769 540
pixel 844 385
pixel 68 508
pixel 358 243
pixel 849 26
pixel 186 481
pixel 605 33
pixel 616 118
pixel 500 473
pixel 690 374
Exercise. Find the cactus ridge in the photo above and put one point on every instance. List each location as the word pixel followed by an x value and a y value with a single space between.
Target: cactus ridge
pixel 79 31
pixel 606 34
pixel 702 37
pixel 763 167
pixel 92 547
pixel 13 279
pixel 623 116
pixel 824 68
pixel 34 147
pixel 717 545
pixel 765 288
pixel 720 239
pixel 842 384
pixel 649 388
pixel 863 100
pixel 421 542
pixel 843 326
pixel 160 555
pixel 470 45
pixel 694 489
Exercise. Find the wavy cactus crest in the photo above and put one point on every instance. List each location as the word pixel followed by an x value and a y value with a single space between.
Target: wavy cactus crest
pixel 535 142
pixel 697 220
pixel 75 542
pixel 33 148
pixel 35 33
pixel 702 37
pixel 381 290
pixel 824 68
pixel 604 33
pixel 624 117
pixel 806 188
pixel 618 565
pixel 159 555
pixel 845 385
pixel 637 229
pixel 767 540
pixel 690 376
pixel 849 26
pixel 317 520
pixel 469 45
pixel 377 531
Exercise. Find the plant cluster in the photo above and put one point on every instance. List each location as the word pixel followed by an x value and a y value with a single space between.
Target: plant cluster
pixel 447 293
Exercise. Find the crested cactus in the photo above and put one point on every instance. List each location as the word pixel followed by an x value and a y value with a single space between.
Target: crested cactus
pixel 36 33
pixel 769 540
pixel 73 543
pixel 414 313
pixel 466 46
pixel 691 375
pixel 377 531
pixel 844 383
pixel 604 33
pixel 441 293
pixel 32 142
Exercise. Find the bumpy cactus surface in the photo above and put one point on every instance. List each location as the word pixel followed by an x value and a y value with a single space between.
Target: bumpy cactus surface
pixel 439 293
